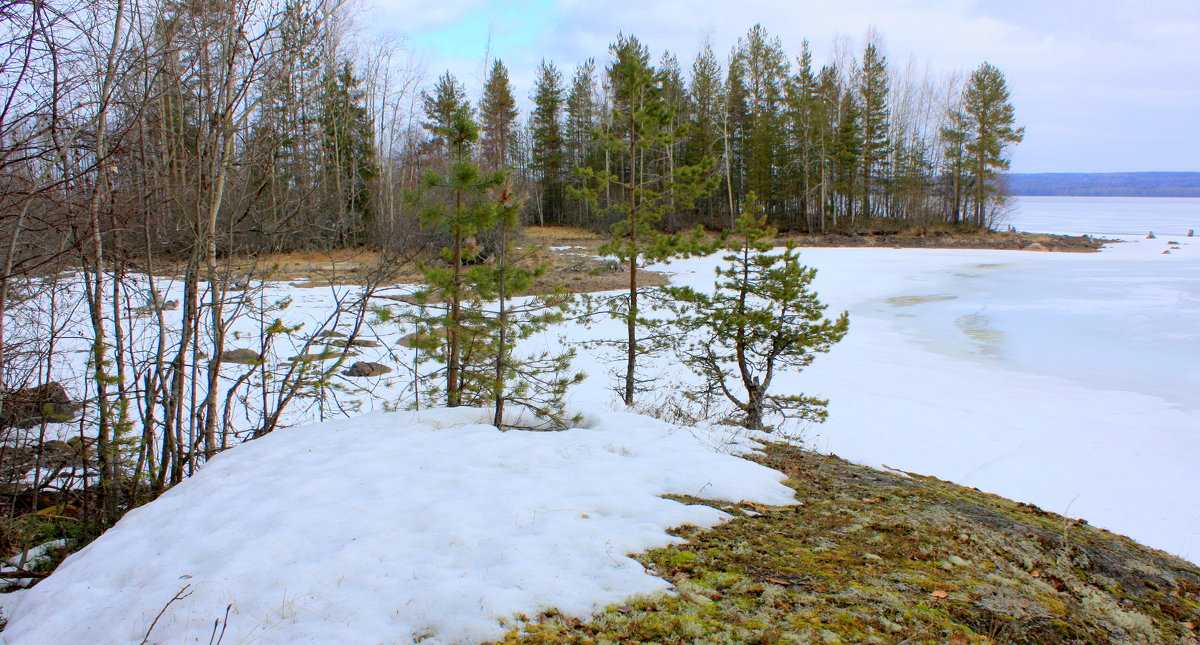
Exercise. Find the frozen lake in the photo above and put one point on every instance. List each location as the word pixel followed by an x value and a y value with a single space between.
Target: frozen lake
pixel 1106 215
pixel 1070 381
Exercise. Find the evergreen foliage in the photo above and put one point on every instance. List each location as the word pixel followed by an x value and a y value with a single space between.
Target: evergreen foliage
pixel 872 95
pixel 348 144
pixel 635 197
pixel 548 158
pixel 467 319
pixel 991 126
pixel 498 117
pixel 761 319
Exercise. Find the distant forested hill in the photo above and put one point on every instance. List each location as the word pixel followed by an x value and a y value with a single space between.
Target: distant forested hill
pixel 1109 184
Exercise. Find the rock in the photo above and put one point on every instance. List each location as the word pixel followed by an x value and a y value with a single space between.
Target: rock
pixel 241 356
pixel 1191 233
pixel 320 356
pixel 57 452
pixel 363 368
pixel 1173 242
pixel 412 340
pixel 1036 246
pixel 357 342
pixel 1150 236
pixel 1167 252
pixel 406 299
pixel 47 403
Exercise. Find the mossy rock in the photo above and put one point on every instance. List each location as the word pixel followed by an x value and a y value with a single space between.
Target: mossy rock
pixel 875 557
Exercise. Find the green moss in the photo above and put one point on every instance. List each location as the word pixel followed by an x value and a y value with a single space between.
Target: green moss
pixel 859 560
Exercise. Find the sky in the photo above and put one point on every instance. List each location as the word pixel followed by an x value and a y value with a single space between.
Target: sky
pixel 1099 85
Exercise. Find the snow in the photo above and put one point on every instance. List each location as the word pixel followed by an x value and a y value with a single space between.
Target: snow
pixel 390 527
pixel 1070 381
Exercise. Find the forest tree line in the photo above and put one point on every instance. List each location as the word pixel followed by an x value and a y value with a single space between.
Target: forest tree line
pixel 143 145
pixel 201 127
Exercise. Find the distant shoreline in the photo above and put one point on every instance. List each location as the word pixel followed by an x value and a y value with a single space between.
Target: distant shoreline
pixel 1112 184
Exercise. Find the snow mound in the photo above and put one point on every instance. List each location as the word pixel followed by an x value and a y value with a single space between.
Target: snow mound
pixel 426 526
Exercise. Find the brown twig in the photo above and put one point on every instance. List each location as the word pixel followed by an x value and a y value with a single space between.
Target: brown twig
pixel 180 595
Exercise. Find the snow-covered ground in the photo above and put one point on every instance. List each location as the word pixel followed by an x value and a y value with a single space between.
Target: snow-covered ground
pixel 1071 381
pixel 387 528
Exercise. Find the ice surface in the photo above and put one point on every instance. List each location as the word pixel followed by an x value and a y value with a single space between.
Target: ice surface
pixel 1102 216
pixel 391 527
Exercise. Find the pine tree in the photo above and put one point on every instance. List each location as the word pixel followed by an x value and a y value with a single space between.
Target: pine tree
pixel 536 382
pixel 872 88
pixel 991 121
pixel 954 136
pixel 677 101
pixel 762 318
pixel 441 107
pixel 548 157
pixel 465 209
pixel 641 123
pixel 498 117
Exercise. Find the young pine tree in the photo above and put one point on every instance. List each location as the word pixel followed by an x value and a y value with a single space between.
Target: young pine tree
pixel 536 382
pixel 462 206
pixel 641 124
pixel 762 318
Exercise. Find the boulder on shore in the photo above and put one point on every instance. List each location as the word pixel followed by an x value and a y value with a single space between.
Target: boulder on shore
pixel 364 368
pixel 1036 246
pixel 356 342
pixel 241 356
pixel 48 403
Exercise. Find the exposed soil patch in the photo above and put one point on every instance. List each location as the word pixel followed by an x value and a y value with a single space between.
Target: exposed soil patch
pixel 569 253
pixel 875 557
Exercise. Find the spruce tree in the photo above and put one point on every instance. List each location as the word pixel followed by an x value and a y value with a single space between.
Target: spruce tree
pixel 847 153
pixel 498 117
pixel 806 117
pixel 706 134
pixel 348 145
pixel 763 66
pixel 547 156
pixel 762 318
